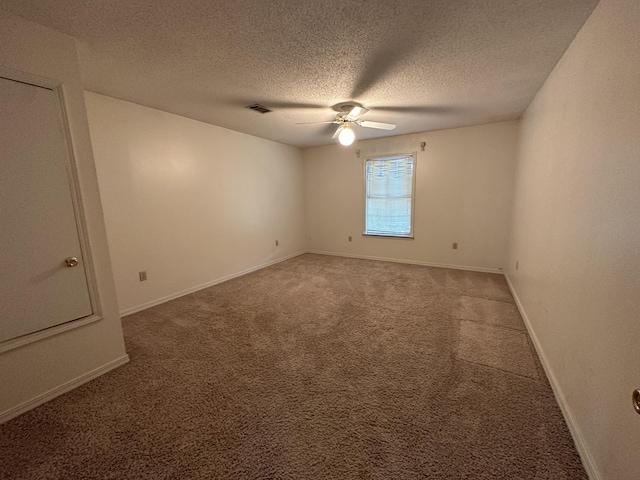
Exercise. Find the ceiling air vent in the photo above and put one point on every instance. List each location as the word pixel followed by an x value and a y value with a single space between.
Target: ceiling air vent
pixel 256 107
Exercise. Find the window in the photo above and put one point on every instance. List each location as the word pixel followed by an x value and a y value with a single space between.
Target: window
pixel 389 186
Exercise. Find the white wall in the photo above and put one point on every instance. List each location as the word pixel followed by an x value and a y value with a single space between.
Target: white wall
pixel 189 202
pixel 576 233
pixel 463 194
pixel 35 372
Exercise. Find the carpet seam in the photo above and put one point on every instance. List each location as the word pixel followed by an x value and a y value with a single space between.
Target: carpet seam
pixel 523 331
pixel 537 380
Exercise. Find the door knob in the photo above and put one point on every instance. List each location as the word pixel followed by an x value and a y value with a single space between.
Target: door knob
pixel 71 261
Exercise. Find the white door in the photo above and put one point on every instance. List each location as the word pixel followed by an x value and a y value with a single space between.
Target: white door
pixel 37 224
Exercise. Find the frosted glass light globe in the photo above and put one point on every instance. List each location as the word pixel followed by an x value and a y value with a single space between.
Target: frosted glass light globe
pixel 346 136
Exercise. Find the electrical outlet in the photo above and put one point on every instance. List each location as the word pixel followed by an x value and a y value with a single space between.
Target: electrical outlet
pixel 517 264
pixel 143 276
pixel 349 237
pixel 455 245
pixel 276 243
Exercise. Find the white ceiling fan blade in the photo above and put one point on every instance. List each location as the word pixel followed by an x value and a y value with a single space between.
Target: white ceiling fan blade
pixel 380 125
pixel 356 112
pixel 314 123
pixel 337 132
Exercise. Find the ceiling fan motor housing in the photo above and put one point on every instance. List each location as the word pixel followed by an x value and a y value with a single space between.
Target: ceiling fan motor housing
pixel 346 107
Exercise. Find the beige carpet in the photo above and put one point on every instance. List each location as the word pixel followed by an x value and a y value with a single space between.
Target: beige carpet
pixel 316 368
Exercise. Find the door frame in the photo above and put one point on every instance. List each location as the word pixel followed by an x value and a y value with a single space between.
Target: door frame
pixel 78 209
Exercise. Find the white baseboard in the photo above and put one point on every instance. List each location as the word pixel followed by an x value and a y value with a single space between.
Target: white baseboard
pixel 585 456
pixel 411 262
pixel 173 296
pixel 59 390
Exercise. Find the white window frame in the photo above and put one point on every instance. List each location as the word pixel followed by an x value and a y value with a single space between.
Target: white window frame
pixel 414 157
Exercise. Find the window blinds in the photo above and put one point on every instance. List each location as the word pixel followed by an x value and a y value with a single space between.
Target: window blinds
pixel 389 195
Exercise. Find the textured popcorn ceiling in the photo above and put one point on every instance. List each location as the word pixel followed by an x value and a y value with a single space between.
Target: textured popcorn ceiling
pixel 421 64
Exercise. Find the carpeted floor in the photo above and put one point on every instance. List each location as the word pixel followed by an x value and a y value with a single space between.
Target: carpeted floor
pixel 315 368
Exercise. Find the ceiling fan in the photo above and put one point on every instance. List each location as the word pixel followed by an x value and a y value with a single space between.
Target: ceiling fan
pixel 349 114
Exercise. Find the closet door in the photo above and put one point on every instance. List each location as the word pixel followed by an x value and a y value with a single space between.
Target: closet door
pixel 42 276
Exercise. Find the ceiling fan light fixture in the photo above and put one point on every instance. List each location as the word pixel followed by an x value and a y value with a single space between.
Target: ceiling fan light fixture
pixel 349 114
pixel 346 136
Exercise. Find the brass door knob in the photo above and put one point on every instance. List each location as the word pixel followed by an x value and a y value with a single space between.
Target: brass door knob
pixel 71 261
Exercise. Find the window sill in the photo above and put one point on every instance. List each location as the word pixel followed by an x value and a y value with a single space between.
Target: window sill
pixel 401 237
